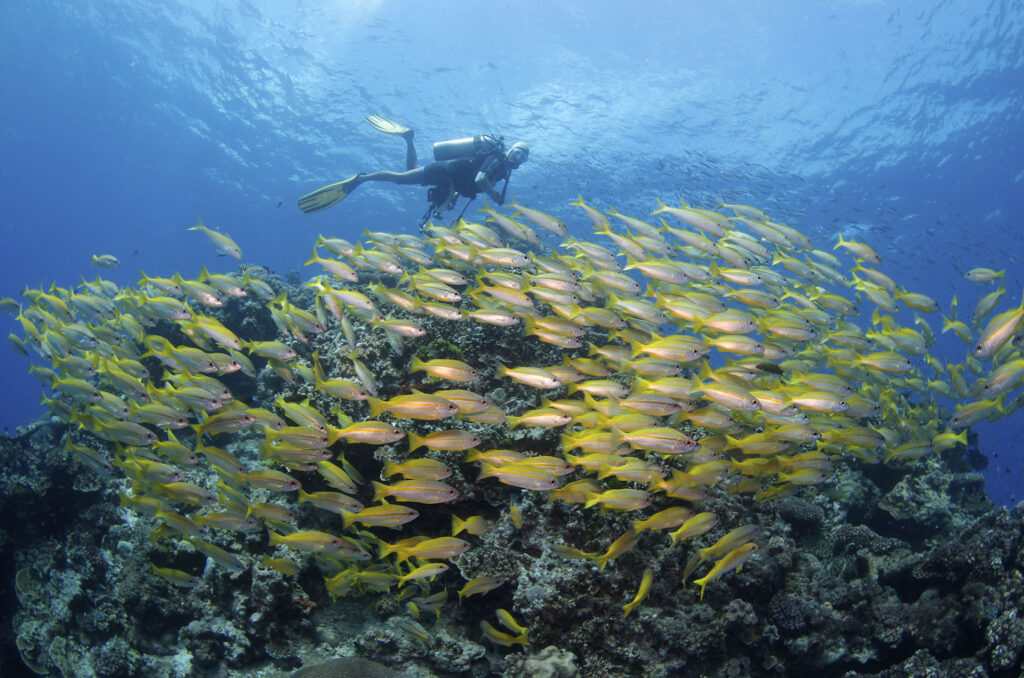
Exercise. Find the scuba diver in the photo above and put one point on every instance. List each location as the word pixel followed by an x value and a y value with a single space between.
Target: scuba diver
pixel 461 167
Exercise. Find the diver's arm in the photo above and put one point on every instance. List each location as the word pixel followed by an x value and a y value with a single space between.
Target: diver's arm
pixel 483 182
pixel 490 173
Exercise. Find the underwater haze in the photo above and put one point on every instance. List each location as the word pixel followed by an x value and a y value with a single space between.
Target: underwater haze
pixel 898 123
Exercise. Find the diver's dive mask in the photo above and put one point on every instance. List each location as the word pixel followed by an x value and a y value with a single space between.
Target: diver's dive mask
pixel 518 153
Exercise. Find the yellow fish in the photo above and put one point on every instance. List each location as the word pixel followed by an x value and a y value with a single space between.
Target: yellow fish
pixel 418 491
pixel 308 540
pixel 440 548
pixel 645 587
pixel 451 370
pixel 417 406
pixel 105 260
pixel 223 243
pixel 734 560
pixel 385 515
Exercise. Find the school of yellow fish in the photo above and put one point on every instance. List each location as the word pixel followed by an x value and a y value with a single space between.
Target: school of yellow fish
pixel 705 351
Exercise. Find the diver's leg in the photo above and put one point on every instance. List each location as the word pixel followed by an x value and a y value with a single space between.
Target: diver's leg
pixel 410 151
pixel 413 176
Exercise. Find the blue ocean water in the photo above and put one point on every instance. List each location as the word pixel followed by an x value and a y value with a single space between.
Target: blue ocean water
pixel 899 123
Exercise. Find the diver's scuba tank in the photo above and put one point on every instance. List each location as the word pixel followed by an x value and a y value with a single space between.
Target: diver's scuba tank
pixel 468 147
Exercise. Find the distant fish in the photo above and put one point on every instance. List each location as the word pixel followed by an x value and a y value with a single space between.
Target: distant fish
pixel 105 260
pixel 984 275
pixel 224 244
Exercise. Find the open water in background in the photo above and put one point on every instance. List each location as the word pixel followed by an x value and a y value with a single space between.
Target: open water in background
pixel 898 122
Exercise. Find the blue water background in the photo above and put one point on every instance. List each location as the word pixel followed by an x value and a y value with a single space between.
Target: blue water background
pixel 900 123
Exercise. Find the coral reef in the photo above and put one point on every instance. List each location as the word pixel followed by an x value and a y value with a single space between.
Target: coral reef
pixel 830 595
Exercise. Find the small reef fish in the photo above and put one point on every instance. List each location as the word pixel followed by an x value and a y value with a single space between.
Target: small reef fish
pixel 450 370
pixel 105 261
pixel 419 406
pixel 733 560
pixel 309 540
pixel 223 243
pixel 645 588
pixel 793 358
pixel 419 491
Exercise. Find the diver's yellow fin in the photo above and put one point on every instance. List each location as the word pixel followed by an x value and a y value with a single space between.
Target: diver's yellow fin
pixel 386 125
pixel 328 195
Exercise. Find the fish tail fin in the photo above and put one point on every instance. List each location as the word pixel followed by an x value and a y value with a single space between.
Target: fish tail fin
pixel 568 443
pixel 267 451
pixel 347 518
pixel 415 442
pixel 376 406
pixel 458 525
pixel 316 255
pixel 486 470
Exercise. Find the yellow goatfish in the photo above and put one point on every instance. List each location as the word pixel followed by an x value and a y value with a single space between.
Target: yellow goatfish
pixel 998 331
pixel 526 476
pixel 416 406
pixel 734 560
pixel 645 587
pixel 384 515
pixel 530 376
pixel 221 241
pixel 417 491
pixel 105 260
pixel 309 540
pixel 859 251
pixel 440 548
pixel 479 586
pixel 451 370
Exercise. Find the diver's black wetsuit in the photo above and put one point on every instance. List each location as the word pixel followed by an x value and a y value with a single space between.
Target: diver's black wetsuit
pixel 461 174
pixel 450 179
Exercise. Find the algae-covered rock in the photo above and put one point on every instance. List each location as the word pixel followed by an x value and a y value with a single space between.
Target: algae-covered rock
pixel 550 662
pixel 347 667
